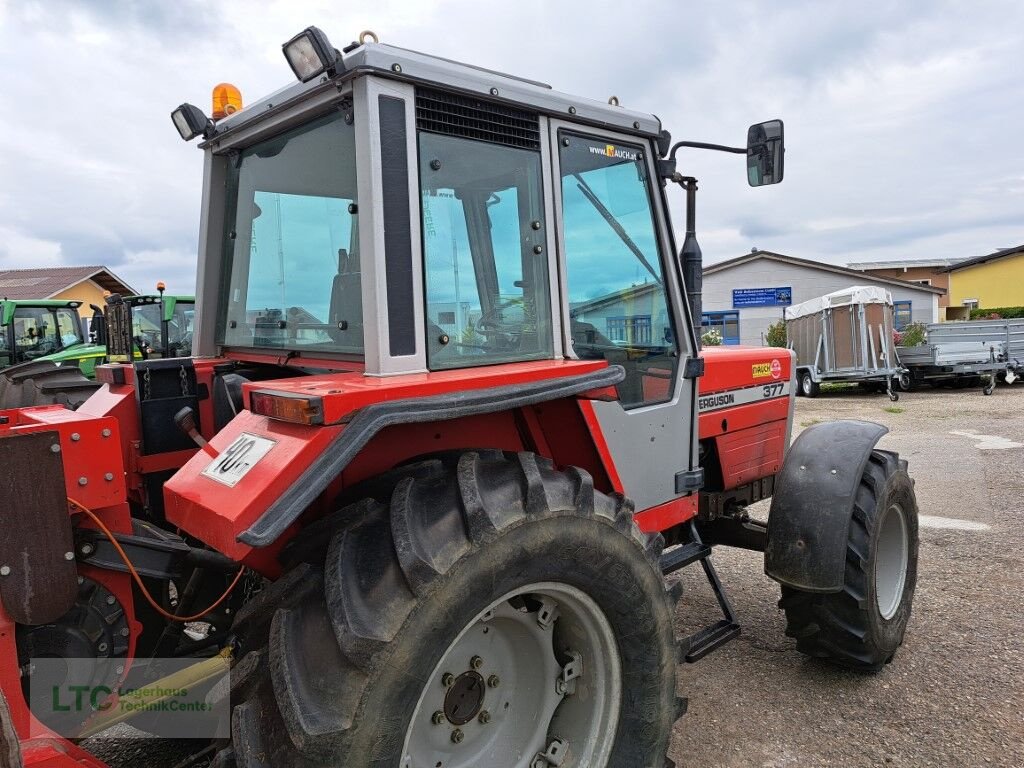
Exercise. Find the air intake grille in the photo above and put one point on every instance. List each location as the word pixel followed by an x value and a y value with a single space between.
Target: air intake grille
pixel 472 118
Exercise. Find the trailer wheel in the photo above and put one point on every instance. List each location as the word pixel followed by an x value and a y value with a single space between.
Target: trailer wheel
pixel 808 386
pixel 863 625
pixel 495 613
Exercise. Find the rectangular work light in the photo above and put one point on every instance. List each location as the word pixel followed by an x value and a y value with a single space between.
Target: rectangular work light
pixel 191 121
pixel 310 54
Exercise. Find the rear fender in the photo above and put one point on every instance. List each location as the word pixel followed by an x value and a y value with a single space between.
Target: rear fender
pixel 810 514
pixel 247 516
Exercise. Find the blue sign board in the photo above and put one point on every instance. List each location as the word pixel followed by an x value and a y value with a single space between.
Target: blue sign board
pixel 761 297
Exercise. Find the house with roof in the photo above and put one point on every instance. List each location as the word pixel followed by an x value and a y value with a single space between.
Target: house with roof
pixel 745 295
pixel 933 272
pixel 986 282
pixel 85 284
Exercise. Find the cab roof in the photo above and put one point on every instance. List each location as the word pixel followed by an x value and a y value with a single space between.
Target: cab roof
pixel 421 69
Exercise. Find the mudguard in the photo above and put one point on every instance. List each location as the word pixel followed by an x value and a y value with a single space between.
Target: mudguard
pixel 809 520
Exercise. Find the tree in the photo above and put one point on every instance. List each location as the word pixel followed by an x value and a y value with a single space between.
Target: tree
pixel 775 336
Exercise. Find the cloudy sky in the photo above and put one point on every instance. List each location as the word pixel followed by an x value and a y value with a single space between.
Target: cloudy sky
pixel 903 120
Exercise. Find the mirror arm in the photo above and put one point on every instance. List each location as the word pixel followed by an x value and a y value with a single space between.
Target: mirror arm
pixel 705 145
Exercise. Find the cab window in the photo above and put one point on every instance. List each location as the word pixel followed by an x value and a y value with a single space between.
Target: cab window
pixel 617 299
pixel 486 268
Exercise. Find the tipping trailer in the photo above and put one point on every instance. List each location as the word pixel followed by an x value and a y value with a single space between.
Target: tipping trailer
pixel 957 353
pixel 844 337
pixel 437 447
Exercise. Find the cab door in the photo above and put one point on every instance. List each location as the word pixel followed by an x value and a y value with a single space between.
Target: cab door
pixel 622 300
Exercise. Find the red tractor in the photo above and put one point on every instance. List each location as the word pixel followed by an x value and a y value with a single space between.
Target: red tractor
pixel 446 428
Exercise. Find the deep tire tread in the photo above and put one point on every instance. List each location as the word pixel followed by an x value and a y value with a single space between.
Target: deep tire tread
pixel 836 626
pixel 386 551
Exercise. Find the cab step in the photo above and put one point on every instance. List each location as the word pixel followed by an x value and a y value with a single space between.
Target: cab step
pixel 711 638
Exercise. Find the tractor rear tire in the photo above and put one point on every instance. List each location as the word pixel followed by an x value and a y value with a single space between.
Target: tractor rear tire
pixel 863 625
pixel 44 382
pixel 438 617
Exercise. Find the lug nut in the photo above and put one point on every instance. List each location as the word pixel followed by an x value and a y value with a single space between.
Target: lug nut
pixel 87 549
pixel 447 679
pixel 484 717
pixel 476 662
pixel 458 736
pixel 493 681
pixel 438 717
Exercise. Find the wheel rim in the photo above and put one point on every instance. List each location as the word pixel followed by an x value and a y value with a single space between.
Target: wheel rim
pixel 891 557
pixel 806 384
pixel 499 695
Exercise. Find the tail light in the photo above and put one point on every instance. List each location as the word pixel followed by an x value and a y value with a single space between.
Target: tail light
pixel 298 409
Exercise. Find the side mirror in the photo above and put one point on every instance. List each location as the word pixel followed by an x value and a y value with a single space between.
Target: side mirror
pixel 765 153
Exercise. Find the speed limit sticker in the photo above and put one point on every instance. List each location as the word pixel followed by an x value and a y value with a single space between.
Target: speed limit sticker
pixel 237 459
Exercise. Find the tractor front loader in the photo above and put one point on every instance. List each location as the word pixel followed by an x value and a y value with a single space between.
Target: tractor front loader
pixel 446 429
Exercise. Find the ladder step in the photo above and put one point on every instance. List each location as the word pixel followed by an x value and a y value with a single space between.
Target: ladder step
pixel 683 555
pixel 707 640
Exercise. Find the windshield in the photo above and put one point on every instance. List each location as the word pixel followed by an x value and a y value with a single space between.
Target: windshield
pixel 42 331
pixel 292 243
pixel 146 327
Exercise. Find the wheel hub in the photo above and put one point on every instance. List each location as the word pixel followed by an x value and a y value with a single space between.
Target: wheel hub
pixel 891 562
pixel 535 673
pixel 465 698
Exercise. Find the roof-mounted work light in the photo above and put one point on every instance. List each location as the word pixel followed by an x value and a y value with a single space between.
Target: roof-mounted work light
pixel 310 54
pixel 191 121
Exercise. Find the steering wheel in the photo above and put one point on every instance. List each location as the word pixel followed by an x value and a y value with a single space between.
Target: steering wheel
pixel 488 322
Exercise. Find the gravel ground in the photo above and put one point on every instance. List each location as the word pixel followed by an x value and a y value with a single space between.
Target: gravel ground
pixel 951 697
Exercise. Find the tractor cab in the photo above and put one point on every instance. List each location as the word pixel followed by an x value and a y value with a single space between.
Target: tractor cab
pixel 30 330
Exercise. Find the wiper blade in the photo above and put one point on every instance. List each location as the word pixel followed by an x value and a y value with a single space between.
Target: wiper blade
pixel 616 227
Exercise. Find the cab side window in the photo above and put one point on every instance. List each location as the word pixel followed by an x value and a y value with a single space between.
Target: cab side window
pixel 486 271
pixel 618 307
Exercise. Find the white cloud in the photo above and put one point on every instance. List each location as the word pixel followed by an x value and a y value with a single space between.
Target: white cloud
pixel 902 120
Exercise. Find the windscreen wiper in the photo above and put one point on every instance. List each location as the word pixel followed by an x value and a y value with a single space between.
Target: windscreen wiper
pixel 616 227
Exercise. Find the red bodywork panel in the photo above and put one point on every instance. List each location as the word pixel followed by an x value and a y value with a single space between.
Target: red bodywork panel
pixel 94 476
pixel 217 513
pixel 745 403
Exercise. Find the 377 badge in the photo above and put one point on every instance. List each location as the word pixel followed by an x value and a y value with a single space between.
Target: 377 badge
pixel 235 461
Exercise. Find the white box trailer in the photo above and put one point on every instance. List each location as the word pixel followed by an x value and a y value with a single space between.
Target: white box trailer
pixel 844 336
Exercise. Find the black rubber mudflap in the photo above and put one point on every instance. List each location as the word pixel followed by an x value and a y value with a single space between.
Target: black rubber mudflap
pixel 38 583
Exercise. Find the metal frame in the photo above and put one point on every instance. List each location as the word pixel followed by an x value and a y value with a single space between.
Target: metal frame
pixel 379 361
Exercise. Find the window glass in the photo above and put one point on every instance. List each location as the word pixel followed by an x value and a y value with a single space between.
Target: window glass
pixel 902 314
pixel 726 323
pixel 616 285
pixel 293 257
pixel 486 270
pixel 40 331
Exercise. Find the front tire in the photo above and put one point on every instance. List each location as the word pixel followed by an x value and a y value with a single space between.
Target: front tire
pixel 453 599
pixel 863 625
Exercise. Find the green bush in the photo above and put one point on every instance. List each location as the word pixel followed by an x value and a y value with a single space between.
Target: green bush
pixel 911 336
pixel 775 336
pixel 1005 313
pixel 711 338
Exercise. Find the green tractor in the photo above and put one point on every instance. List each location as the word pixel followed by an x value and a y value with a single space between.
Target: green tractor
pixel 47 359
pixel 40 330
